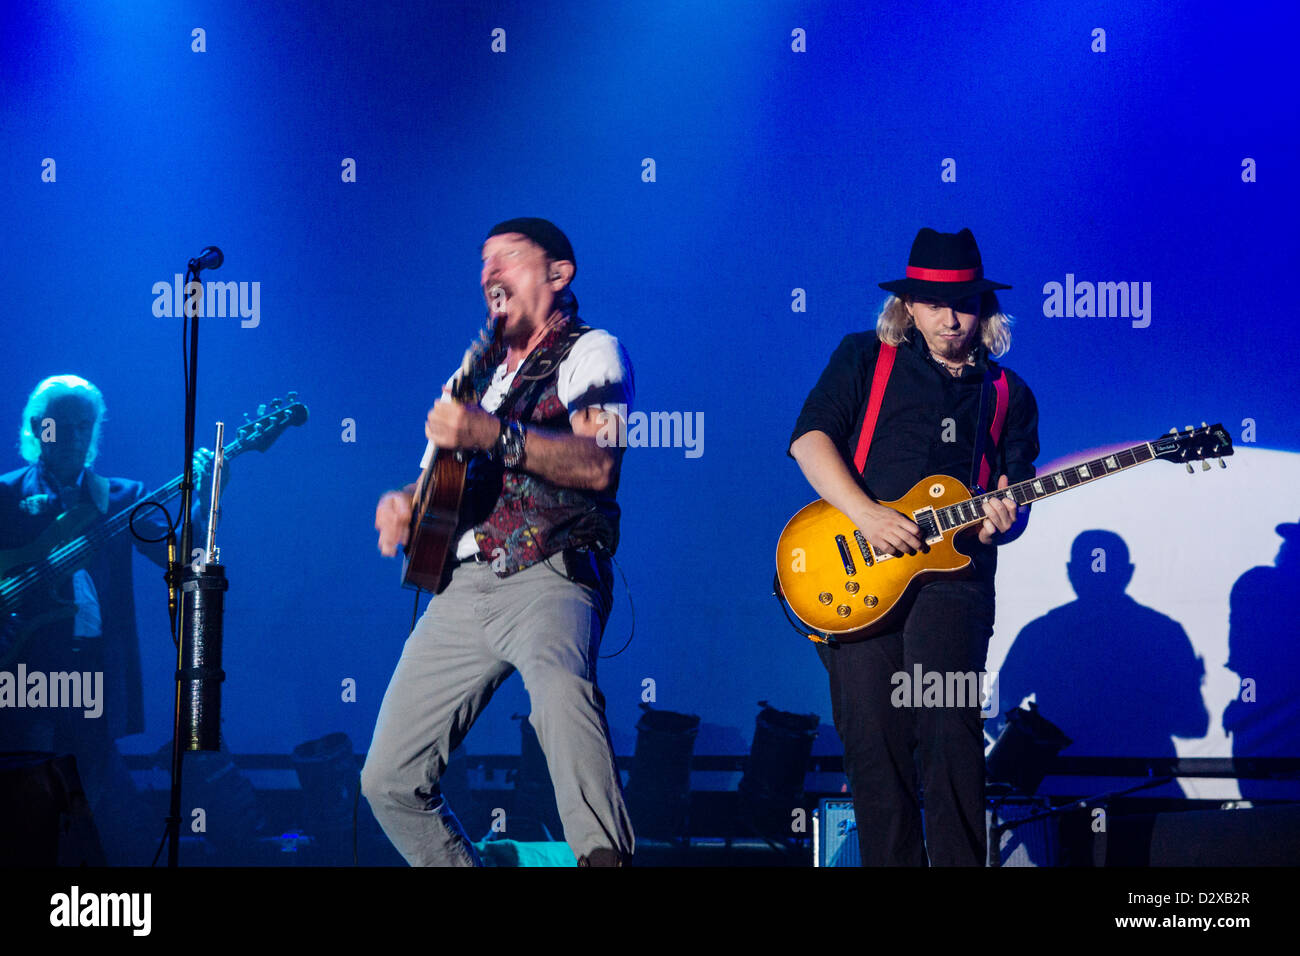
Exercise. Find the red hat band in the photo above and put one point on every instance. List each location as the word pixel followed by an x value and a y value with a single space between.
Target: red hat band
pixel 944 275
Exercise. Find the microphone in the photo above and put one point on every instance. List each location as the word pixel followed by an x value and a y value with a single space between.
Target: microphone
pixel 210 258
pixel 497 297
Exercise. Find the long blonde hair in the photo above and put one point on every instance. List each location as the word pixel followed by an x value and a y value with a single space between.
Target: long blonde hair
pixel 893 323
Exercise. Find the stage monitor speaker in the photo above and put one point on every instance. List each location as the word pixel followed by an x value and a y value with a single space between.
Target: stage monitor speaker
pixel 835 833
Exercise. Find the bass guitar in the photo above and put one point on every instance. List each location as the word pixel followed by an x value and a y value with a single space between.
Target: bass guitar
pixel 33 574
pixel 837 583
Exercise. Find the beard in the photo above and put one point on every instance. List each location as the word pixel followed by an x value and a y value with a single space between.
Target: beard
pixel 954 350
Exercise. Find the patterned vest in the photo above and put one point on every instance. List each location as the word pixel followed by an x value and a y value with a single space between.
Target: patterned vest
pixel 519 518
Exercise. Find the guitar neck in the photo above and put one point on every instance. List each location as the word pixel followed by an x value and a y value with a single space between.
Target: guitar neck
pixel 965 513
pixel 72 552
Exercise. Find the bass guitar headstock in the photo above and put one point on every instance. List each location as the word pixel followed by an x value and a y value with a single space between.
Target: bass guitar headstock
pixel 258 434
pixel 1195 444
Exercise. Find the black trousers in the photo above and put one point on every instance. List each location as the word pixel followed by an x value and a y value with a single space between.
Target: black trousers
pixel 897 753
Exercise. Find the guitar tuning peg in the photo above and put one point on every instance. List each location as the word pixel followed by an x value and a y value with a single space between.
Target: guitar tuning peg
pixel 1190 428
pixel 1190 469
pixel 1203 425
pixel 1222 463
pixel 246 416
pixel 261 410
pixel 293 397
pixel 1205 465
pixel 275 403
pixel 1173 431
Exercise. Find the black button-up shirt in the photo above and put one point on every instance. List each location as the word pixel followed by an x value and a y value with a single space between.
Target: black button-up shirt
pixel 927 423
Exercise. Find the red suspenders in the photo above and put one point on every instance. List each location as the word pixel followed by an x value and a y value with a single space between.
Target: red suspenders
pixel 884 366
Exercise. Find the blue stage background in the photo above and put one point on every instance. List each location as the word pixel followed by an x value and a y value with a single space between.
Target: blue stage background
pixel 775 170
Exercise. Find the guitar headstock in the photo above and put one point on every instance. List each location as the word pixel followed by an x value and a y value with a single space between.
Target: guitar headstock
pixel 483 352
pixel 272 418
pixel 1195 444
pixel 462 388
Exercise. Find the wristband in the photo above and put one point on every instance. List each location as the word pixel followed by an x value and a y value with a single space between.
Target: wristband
pixel 510 446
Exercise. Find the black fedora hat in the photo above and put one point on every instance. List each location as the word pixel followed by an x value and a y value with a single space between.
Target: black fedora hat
pixel 944 266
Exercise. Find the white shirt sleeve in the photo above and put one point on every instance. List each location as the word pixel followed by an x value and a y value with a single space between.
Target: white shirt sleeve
pixel 596 372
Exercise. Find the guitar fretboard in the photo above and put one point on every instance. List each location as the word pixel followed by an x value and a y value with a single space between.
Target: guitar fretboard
pixel 953 517
pixel 70 554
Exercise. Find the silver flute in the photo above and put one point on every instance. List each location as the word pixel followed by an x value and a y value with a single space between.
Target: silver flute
pixel 211 553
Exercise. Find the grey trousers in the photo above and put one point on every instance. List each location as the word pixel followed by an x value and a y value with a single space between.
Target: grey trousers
pixel 472 637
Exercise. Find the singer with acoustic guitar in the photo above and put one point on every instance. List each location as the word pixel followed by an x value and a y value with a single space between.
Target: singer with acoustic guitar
pixel 512 525
pixel 919 396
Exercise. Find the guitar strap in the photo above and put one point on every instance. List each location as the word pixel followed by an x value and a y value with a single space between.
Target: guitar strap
pixel 980 468
pixel 539 365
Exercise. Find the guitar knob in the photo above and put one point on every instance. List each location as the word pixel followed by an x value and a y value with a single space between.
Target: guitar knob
pixel 825 597
pixel 843 610
pixel 870 600
pixel 851 587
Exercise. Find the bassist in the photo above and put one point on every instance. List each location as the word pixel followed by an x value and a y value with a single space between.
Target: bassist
pixel 59 438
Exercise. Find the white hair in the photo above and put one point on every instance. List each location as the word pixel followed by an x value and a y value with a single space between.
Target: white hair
pixel 58 386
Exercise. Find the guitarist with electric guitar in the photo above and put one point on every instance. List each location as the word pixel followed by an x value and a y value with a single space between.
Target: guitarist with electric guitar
pixel 920 397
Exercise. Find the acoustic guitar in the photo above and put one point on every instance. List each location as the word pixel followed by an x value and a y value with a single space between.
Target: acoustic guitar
pixel 435 512
pixel 33 574
pixel 837 583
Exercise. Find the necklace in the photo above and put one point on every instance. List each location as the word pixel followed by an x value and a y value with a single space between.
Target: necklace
pixel 953 370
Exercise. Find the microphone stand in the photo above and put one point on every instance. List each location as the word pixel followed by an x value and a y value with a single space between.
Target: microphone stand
pixel 198 649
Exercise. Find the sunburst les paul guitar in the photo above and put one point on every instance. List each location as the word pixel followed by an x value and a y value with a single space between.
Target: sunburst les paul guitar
pixel 838 584
pixel 33 574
